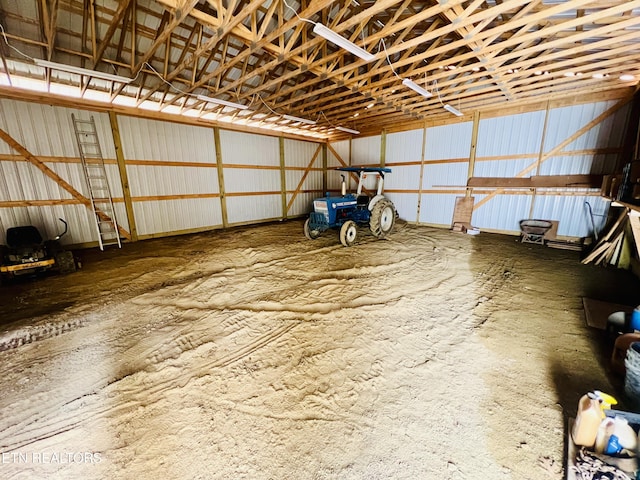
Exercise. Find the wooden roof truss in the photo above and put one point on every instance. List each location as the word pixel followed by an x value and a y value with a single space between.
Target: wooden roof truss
pixel 473 54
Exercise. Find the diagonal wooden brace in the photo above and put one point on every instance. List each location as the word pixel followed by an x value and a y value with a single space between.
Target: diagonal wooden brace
pixel 56 178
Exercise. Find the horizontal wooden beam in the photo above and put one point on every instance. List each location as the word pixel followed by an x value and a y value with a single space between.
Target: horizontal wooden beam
pixel 538 181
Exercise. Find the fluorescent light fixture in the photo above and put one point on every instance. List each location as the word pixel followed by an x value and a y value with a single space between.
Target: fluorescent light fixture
pixel 333 37
pixel 627 77
pixel 217 101
pixel 298 119
pixel 348 130
pixel 416 88
pixel 456 112
pixel 81 71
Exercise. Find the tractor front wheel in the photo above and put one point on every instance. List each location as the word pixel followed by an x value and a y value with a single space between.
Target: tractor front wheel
pixel 383 217
pixel 308 232
pixel 348 233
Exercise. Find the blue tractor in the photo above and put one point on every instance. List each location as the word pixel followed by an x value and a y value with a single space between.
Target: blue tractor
pixel 350 211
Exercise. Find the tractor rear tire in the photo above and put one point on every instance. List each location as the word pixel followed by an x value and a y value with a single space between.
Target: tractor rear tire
pixel 65 262
pixel 310 234
pixel 383 217
pixel 348 233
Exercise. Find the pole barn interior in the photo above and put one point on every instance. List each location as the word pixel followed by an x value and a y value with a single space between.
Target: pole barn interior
pixel 208 337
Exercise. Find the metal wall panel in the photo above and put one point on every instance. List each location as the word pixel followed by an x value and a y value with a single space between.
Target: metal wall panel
pixel 448 141
pixel 445 174
pixel 159 141
pixel 244 180
pixel 303 204
pixel 342 149
pixel 299 154
pixel 249 149
pixel 437 209
pixel 564 122
pixel 167 216
pixel 156 180
pixel 503 168
pixel 366 150
pixel 47 131
pixel 406 205
pixel 572 213
pixel 254 208
pixel 403 178
pixel 512 135
pixel 502 213
pixel 144 139
pixel 404 146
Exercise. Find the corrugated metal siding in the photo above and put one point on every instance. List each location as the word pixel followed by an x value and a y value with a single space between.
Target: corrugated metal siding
pixel 249 149
pixel 448 141
pixel 572 213
pixel 366 151
pixel 563 122
pixel 303 204
pixel 443 143
pixel 164 141
pixel 342 149
pixel 512 135
pixel 157 141
pixel 299 154
pixel 254 208
pixel 167 216
pixel 404 146
pixel 406 205
pixel 503 212
pixel 48 131
pixel 503 168
pixel 444 174
pixel 403 178
pixel 437 209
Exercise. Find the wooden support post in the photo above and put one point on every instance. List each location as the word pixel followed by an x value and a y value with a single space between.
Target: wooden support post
pixel 283 179
pixel 534 191
pixel 325 157
pixel 223 197
pixel 421 179
pixel 383 148
pixel 124 179
pixel 472 150
pixel 56 178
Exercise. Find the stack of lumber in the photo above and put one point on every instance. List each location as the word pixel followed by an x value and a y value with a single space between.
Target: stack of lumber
pixel 607 249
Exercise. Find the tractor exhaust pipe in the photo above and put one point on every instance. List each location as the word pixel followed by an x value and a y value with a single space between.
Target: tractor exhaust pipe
pixel 343 189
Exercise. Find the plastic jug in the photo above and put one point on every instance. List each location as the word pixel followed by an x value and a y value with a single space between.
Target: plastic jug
pixel 615 435
pixel 588 419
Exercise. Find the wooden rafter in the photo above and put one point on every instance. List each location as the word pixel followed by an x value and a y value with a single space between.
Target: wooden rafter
pixel 123 7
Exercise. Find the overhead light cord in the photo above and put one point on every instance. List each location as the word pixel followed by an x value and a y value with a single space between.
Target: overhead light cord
pixel 6 40
pixel 296 13
pixel 384 46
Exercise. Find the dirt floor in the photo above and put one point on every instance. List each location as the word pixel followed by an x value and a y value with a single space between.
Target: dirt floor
pixel 254 353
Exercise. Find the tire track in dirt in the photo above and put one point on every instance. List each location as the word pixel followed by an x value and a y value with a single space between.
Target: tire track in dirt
pixel 62 415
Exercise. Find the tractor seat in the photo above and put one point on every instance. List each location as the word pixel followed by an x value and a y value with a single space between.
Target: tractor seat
pixel 20 237
pixel 362 200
